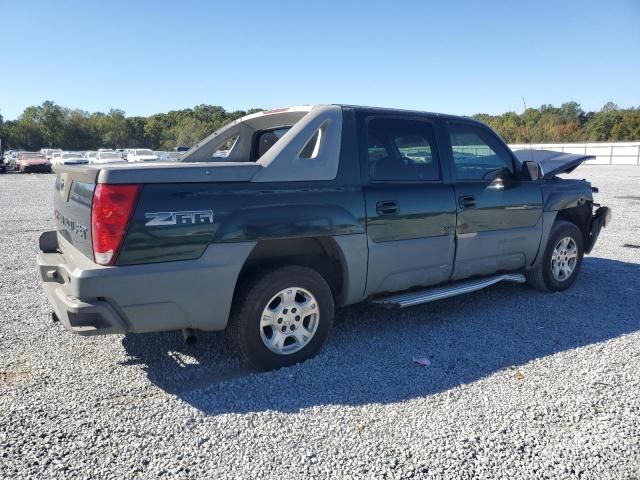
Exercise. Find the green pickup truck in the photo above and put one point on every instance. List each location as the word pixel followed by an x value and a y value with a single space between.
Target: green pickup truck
pixel 270 223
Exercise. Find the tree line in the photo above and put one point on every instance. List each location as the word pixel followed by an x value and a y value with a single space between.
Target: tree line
pixel 567 123
pixel 51 125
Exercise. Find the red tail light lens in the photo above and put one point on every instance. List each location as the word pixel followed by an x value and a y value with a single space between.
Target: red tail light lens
pixel 111 213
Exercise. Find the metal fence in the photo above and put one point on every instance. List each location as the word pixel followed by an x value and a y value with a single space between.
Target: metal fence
pixel 622 153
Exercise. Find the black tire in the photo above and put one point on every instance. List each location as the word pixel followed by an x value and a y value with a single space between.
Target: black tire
pixel 542 277
pixel 244 330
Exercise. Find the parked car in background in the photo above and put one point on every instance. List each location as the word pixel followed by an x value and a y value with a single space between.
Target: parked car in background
pixel 48 152
pixel 11 159
pixel 32 162
pixel 122 152
pixel 5 160
pixel 141 155
pixel 68 158
pixel 105 157
pixel 165 156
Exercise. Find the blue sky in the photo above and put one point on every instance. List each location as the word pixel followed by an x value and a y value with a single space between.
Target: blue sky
pixel 454 56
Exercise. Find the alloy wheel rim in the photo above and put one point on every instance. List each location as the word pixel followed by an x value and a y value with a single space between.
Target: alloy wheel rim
pixel 289 321
pixel 564 259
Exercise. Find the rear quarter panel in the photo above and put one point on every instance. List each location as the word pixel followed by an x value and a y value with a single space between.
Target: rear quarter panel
pixel 240 213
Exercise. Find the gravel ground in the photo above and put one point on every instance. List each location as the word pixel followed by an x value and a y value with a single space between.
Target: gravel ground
pixel 521 384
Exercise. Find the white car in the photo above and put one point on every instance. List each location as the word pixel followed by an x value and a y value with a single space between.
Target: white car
pixel 165 156
pixel 141 155
pixel 103 157
pixel 48 152
pixel 68 158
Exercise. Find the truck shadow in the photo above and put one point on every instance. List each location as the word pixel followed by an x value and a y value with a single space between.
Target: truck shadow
pixel 368 358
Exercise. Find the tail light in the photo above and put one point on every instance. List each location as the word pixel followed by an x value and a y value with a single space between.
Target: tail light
pixel 111 212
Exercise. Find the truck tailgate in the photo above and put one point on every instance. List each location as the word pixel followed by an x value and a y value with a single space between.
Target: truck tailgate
pixel 73 193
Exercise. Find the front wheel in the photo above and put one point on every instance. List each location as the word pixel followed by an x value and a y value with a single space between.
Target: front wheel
pixel 561 261
pixel 284 317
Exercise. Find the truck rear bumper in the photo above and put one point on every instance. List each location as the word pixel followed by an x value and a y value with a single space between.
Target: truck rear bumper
pixel 90 299
pixel 84 318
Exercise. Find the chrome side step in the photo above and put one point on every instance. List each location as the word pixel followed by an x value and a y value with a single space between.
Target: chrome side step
pixel 409 299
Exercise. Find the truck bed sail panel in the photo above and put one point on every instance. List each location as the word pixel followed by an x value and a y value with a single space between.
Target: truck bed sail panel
pixel 553 163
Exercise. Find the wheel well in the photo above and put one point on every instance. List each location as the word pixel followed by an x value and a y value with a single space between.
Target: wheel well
pixel 579 216
pixel 320 253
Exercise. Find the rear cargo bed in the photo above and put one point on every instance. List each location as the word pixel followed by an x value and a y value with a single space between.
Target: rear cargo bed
pixel 75 186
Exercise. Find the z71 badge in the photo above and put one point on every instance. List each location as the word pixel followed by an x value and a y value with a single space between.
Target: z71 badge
pixel 163 219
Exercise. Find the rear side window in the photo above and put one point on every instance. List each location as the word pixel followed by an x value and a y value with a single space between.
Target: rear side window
pixel 401 150
pixel 310 150
pixel 477 154
pixel 224 150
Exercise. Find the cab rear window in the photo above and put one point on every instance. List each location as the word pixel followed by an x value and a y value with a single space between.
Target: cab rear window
pixel 267 139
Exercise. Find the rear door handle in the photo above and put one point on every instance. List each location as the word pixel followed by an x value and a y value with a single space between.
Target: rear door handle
pixel 387 207
pixel 467 202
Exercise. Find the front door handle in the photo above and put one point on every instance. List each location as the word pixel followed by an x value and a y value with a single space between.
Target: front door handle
pixel 467 202
pixel 387 207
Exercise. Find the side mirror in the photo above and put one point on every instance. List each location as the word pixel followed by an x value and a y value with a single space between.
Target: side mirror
pixel 534 169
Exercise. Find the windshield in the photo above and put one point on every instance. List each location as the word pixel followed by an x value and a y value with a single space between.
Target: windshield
pixel 71 155
pixel 109 155
pixel 144 152
pixel 33 156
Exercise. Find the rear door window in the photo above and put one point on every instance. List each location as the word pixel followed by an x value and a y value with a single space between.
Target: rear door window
pixel 401 150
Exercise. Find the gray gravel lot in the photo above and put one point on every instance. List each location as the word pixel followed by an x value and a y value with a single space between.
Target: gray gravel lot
pixel 522 384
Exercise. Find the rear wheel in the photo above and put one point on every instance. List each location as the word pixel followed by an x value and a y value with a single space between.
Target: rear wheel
pixel 562 259
pixel 283 317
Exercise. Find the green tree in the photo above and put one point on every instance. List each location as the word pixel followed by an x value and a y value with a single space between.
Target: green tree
pixel 135 132
pixel 155 131
pixel 628 128
pixel 51 119
pixel 188 132
pixel 601 126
